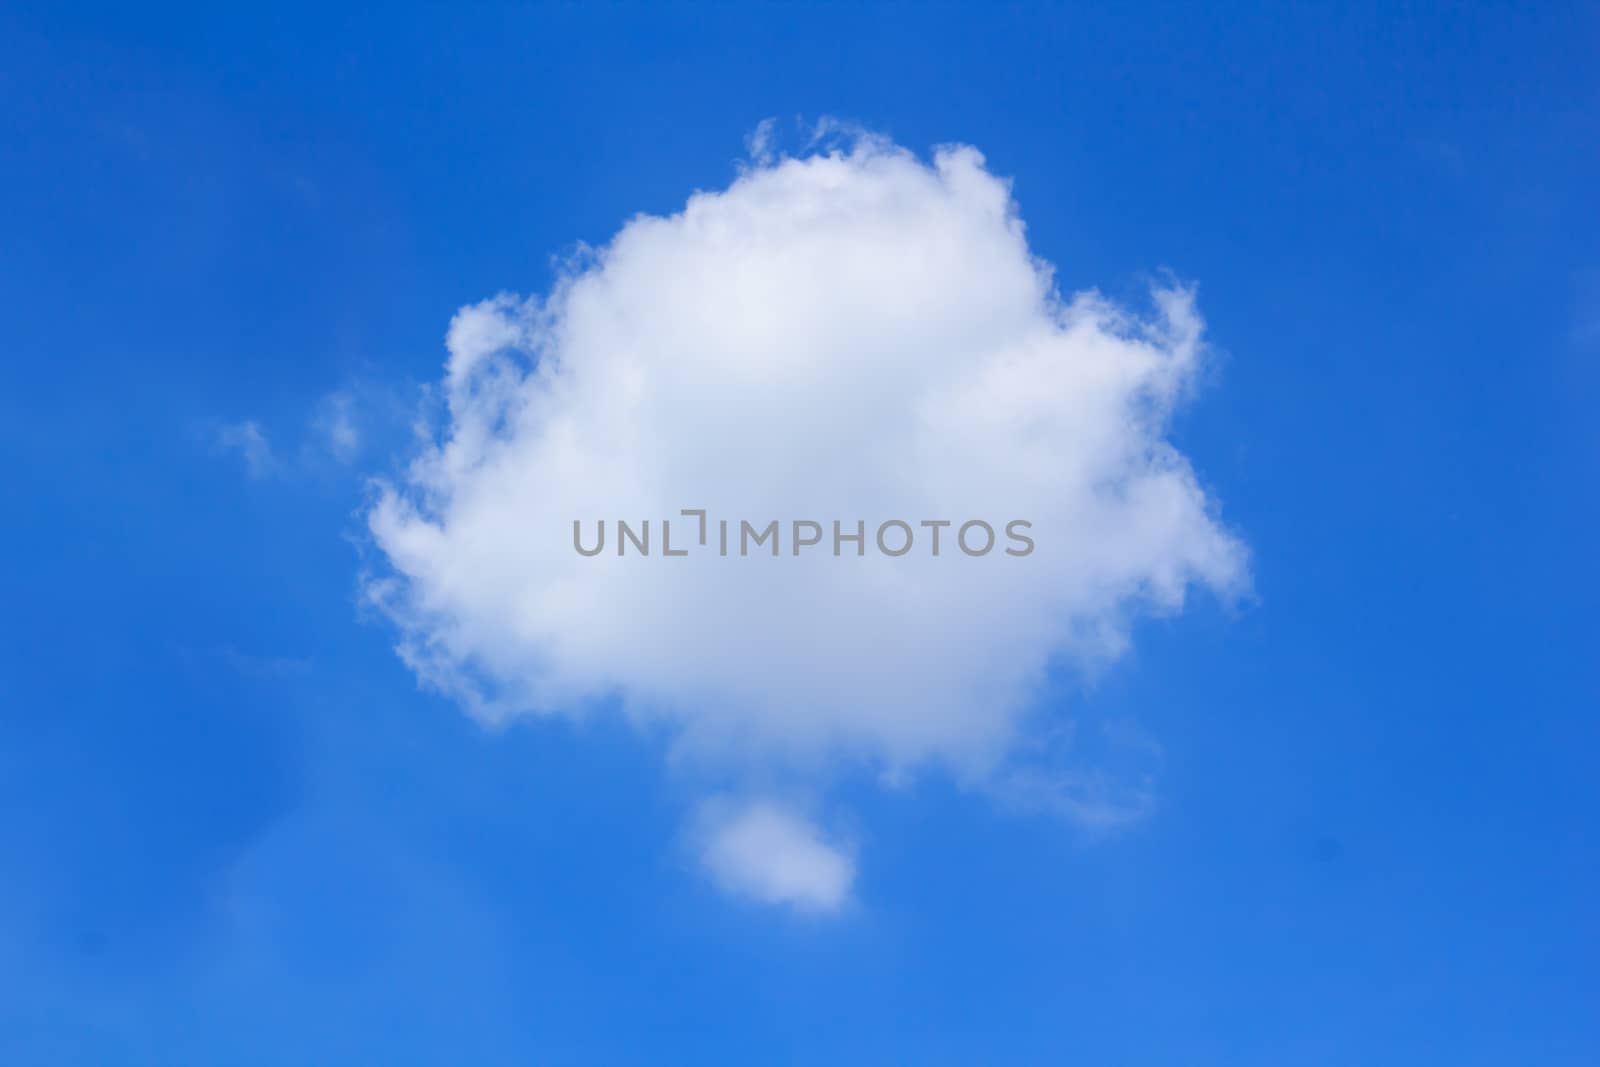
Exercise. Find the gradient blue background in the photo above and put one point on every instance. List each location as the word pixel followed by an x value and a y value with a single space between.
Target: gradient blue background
pixel 232 831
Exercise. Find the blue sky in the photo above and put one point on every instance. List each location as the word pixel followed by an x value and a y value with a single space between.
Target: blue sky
pixel 235 828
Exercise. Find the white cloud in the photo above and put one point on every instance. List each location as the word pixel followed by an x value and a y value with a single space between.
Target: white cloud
pixel 855 334
pixel 758 145
pixel 772 855
pixel 251 443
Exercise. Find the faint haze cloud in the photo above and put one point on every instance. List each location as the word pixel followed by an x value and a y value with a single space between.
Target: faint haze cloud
pixel 335 422
pixel 250 443
pixel 338 430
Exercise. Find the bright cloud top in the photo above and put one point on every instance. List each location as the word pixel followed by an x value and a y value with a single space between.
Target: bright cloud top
pixel 853 335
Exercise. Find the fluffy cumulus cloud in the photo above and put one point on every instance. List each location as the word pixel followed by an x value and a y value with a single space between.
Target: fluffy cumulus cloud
pixel 854 335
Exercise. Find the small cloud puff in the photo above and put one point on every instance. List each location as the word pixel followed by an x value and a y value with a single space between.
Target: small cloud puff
pixel 774 856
